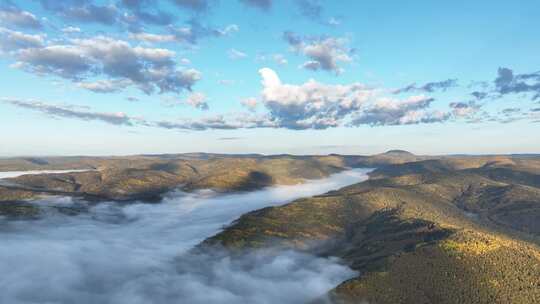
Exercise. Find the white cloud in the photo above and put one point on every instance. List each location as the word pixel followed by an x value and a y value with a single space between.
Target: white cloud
pixel 312 104
pixel 146 68
pixel 462 109
pixel 393 111
pixel 105 86
pixel 118 118
pixel 236 54
pixel 71 29
pixel 14 41
pixel 15 17
pixel 229 29
pixel 154 38
pixel 194 30
pixel 324 53
pixel 334 22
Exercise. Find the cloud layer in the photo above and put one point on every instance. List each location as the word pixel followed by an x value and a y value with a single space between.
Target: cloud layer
pixel 81 60
pixel 429 87
pixel 77 40
pixel 508 82
pixel 388 111
pixel 324 53
pixel 311 105
pixel 13 16
pixel 72 112
pixel 138 253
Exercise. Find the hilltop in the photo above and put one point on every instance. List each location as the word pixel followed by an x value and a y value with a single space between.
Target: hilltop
pixel 147 177
pixel 451 230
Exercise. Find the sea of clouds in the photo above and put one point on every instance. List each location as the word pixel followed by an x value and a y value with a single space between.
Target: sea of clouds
pixel 140 253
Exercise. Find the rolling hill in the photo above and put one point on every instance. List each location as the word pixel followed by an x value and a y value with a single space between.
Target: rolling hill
pixel 451 230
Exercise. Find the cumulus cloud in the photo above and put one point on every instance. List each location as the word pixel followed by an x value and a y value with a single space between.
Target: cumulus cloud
pixel 220 122
pixel 429 87
pixel 146 68
pixel 479 95
pixel 147 11
pixel 93 13
pixel 71 29
pixel 13 16
pixel 105 86
pixel 324 53
pixel 153 38
pixel 84 11
pixel 390 111
pixel 464 109
pixel 11 41
pixel 71 112
pixel 62 60
pixel 507 82
pixel 312 104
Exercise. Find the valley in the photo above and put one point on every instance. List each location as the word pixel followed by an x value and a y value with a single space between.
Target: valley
pixel 421 229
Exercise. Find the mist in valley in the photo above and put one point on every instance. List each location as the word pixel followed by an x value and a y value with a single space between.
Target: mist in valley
pixel 140 252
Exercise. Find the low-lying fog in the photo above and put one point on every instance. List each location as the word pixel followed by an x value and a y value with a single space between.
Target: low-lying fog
pixel 11 174
pixel 136 253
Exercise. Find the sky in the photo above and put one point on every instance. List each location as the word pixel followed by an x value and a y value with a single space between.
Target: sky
pixel 117 77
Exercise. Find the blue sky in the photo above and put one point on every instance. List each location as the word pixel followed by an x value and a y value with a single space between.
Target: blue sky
pixel 268 76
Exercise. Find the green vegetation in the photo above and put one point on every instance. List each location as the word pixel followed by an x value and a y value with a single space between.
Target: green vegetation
pixel 148 177
pixel 450 230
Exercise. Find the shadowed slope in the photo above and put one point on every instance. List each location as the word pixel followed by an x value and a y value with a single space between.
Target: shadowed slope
pixel 149 176
pixel 434 231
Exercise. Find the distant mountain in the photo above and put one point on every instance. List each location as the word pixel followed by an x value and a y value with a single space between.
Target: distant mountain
pixel 149 176
pixel 398 152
